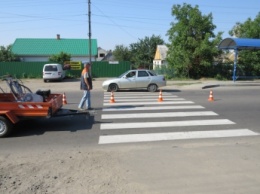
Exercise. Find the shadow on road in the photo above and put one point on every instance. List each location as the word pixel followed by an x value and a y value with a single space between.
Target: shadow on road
pixel 39 126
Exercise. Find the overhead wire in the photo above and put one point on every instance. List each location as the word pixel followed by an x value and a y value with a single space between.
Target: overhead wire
pixel 119 26
pixel 116 17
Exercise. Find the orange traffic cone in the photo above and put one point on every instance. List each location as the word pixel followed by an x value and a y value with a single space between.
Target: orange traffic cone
pixel 112 99
pixel 211 98
pixel 64 101
pixel 160 99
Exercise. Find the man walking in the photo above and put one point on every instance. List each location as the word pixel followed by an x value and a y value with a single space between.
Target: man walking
pixel 86 86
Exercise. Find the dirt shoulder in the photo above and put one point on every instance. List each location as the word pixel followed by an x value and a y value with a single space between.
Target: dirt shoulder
pixel 87 170
pixel 66 85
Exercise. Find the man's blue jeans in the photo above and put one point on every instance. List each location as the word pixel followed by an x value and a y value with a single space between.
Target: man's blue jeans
pixel 85 99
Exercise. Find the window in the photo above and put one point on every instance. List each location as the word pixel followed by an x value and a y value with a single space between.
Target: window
pixel 143 74
pixel 102 55
pixel 152 73
pixel 131 74
pixel 51 68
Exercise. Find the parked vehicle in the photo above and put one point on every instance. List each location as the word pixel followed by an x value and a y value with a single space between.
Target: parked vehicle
pixel 53 71
pixel 21 103
pixel 134 79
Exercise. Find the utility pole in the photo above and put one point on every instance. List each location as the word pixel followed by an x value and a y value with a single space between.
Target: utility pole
pixel 89 29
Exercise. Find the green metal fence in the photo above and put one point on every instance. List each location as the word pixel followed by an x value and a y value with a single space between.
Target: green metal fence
pixel 108 69
pixel 22 69
pixel 34 69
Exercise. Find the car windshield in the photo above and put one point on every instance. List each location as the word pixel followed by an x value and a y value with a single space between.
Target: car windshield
pixel 123 74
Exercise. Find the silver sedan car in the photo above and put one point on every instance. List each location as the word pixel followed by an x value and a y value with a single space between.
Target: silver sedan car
pixel 134 79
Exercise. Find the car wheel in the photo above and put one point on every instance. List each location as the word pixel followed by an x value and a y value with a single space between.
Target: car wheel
pixel 113 87
pixel 152 88
pixel 5 127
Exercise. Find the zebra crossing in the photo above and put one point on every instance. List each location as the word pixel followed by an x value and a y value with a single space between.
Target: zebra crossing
pixel 151 120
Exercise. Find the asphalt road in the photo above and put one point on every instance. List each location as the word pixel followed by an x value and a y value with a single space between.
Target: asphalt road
pixel 220 156
pixel 237 104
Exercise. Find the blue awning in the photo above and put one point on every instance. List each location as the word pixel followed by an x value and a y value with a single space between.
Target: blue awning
pixel 240 44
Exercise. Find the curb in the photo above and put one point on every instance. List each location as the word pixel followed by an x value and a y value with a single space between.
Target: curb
pixel 230 85
pixel 210 86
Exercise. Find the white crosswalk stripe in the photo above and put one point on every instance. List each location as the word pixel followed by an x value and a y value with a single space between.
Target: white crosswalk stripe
pixel 134 97
pixel 136 94
pixel 126 108
pixel 158 115
pixel 165 124
pixel 174 136
pixel 147 99
pixel 133 110
pixel 146 103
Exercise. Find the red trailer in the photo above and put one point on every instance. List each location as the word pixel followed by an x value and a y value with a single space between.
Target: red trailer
pixel 21 103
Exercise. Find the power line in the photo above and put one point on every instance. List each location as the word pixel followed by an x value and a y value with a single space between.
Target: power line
pixel 116 24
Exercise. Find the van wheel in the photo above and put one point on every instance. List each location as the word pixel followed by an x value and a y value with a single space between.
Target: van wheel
pixel 5 127
pixel 45 80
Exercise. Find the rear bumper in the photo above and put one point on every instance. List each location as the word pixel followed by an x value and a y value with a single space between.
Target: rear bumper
pixel 52 78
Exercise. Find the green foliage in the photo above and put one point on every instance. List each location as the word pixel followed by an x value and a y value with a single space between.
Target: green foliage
pixel 29 76
pixel 168 72
pixel 6 54
pixel 193 44
pixel 248 60
pixel 122 53
pixel 60 58
pixel 141 53
pixel 222 71
pixel 70 75
pixel 249 29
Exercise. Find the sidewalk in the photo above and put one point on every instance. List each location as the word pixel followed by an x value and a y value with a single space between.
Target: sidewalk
pixel 204 84
pixel 196 84
pixel 73 84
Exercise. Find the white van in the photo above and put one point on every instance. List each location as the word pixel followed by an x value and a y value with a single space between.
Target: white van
pixel 53 71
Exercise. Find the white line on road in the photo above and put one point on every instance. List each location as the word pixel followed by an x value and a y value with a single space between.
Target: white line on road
pixel 105 126
pixel 153 108
pixel 174 136
pixel 137 94
pixel 143 96
pixel 144 99
pixel 158 115
pixel 146 103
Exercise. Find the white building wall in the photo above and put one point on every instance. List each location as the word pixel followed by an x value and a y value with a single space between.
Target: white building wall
pixel 159 63
pixel 40 59
pixel 33 59
pixel 101 54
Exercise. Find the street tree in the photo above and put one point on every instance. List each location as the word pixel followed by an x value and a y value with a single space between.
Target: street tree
pixel 248 60
pixel 122 53
pixel 249 29
pixel 60 58
pixel 143 51
pixel 192 43
pixel 6 54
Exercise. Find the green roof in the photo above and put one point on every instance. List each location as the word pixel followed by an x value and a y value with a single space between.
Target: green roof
pixel 44 46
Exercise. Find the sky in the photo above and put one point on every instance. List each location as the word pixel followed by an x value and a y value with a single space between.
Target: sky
pixel 112 22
